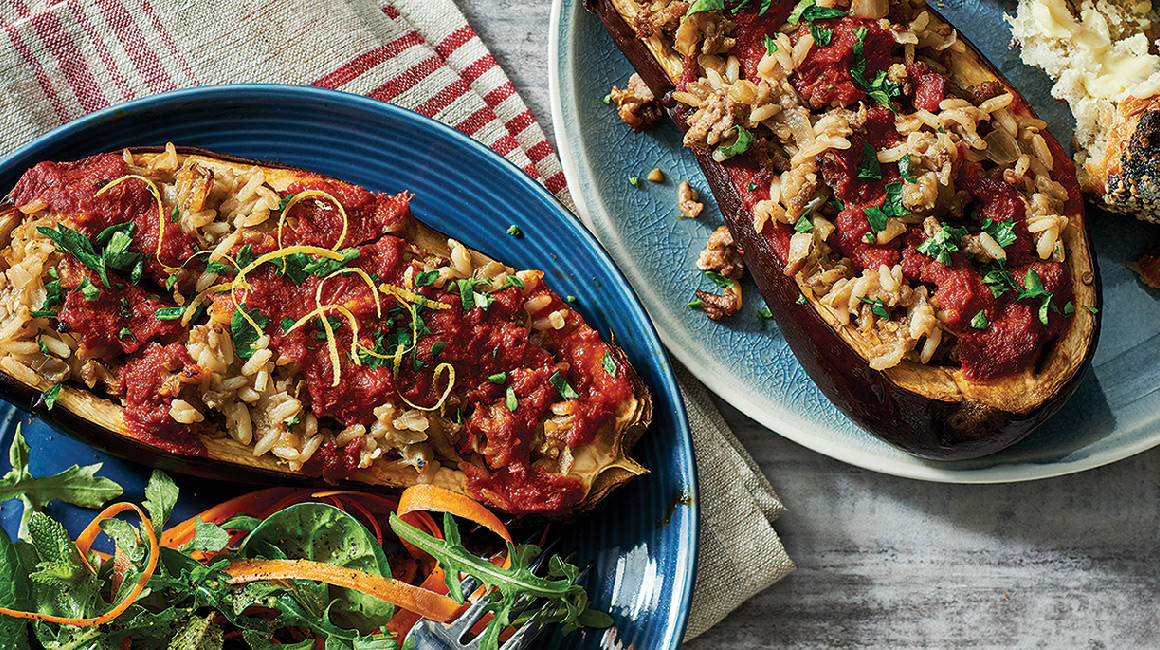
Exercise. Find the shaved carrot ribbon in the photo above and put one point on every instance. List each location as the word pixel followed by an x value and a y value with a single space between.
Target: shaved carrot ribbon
pixel 416 599
pixel 437 499
pixel 83 543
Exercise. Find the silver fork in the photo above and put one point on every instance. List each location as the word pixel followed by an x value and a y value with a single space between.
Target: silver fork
pixel 432 635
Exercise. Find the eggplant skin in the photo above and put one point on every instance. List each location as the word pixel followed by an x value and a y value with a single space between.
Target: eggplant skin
pixel 918 410
pixel 98 421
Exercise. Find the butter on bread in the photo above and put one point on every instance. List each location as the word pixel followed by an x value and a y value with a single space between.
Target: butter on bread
pixel 1103 58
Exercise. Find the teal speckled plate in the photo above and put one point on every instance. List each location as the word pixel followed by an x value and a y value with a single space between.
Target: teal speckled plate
pixel 641 543
pixel 1114 413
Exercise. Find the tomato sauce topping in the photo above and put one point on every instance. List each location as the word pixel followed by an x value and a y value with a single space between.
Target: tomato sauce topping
pixel 152 380
pixel 998 331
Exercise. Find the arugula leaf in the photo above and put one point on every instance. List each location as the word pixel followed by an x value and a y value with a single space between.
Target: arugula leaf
pixel 208 537
pixel 243 333
pixel 739 146
pixel 160 499
pixel 76 485
pixel 563 387
pixel 564 600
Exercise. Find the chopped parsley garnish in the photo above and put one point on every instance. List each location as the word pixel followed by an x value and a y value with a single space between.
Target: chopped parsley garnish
pixel 137 272
pixel 904 168
pixel 739 146
pixel 219 268
pixel 571 299
pixel 837 204
pixel 243 333
pixel 803 224
pixel 1033 288
pixel 245 256
pixel 170 282
pixel 770 44
pixel 876 306
pixel 469 297
pixel 497 378
pixel 877 220
pixel 170 313
pixel 880 89
pixel 1069 308
pixel 112 242
pixel 426 278
pixel 49 396
pixel 893 204
pixel 869 167
pixel 706 5
pixel 514 231
pixel 751 186
pixel 980 320
pixel 634 181
pixel 720 280
pixel 286 324
pixel 999 281
pixel 437 347
pixel 822 35
pixel 695 304
pixel 510 399
pixel 40 344
pixel 284 200
pixel 940 245
pixel 607 98
pixel 563 387
pixel 512 281
pixel 608 364
pixel 90 291
pixel 763 315
pixel 809 11
pixel 44 313
pixel 1003 232
pixel 126 333
pixel 801 299
pixel 173 214
pixel 763 7
pixel 1094 310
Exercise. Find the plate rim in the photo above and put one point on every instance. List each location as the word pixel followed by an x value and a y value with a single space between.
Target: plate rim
pixel 798 432
pixel 689 544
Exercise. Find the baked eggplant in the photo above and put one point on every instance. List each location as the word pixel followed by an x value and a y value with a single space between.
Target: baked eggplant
pixel 916 231
pixel 238 319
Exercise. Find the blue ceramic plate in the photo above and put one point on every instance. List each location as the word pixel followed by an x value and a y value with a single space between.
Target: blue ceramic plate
pixel 1115 411
pixel 641 545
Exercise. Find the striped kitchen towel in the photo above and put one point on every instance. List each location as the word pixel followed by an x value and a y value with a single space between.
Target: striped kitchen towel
pixel 68 58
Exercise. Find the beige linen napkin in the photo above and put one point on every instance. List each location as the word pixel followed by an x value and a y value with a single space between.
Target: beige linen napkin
pixel 67 59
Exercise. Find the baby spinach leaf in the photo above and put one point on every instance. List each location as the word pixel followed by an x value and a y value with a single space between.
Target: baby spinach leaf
pixel 322 533
pixel 15 593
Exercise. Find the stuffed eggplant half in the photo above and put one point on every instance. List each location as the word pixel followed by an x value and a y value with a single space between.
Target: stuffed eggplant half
pixel 916 231
pixel 248 321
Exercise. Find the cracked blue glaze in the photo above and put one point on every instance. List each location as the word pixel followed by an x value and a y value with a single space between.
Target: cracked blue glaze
pixel 1114 413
